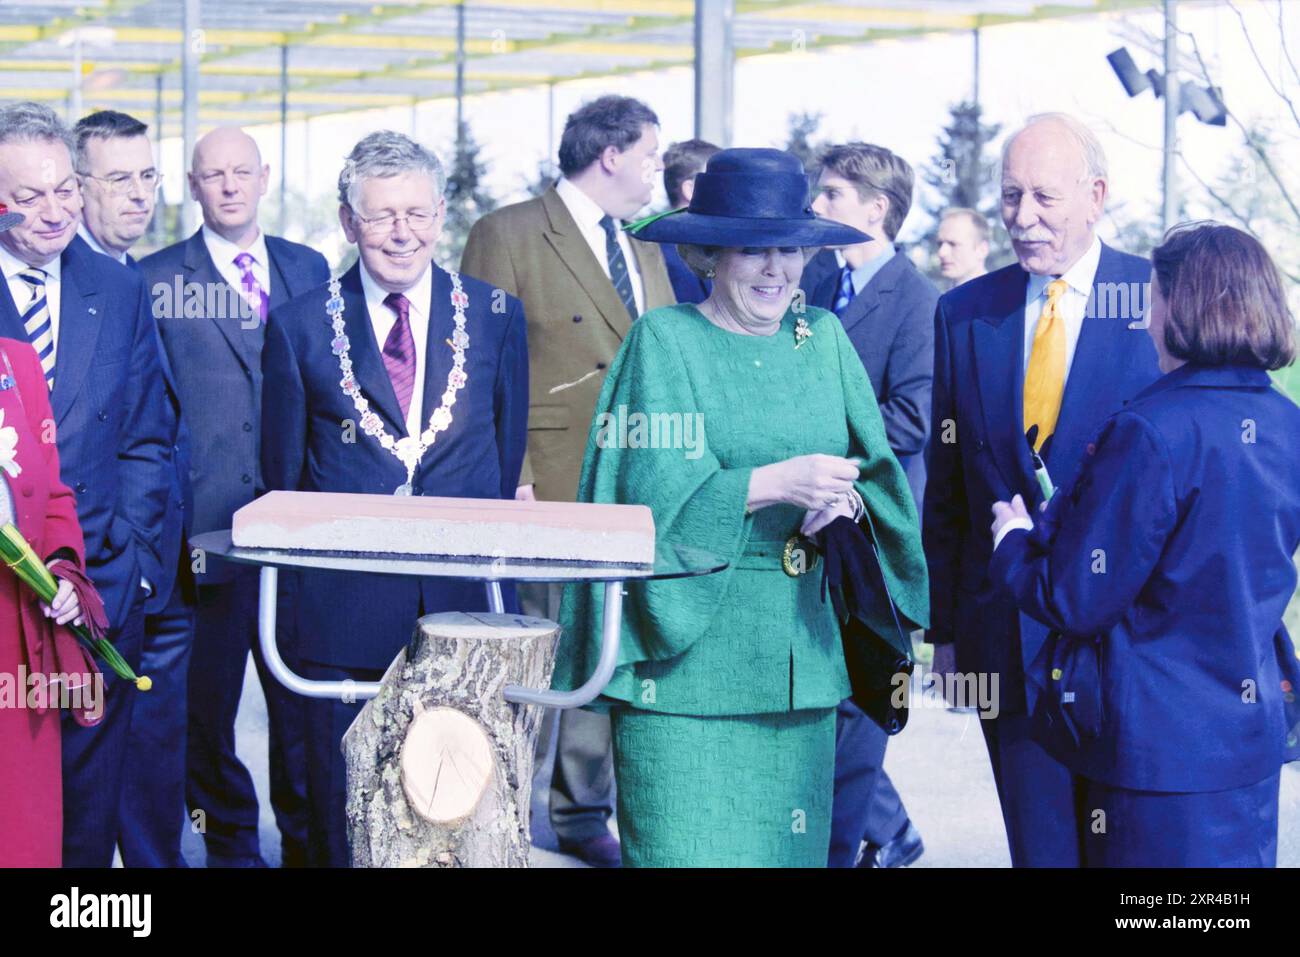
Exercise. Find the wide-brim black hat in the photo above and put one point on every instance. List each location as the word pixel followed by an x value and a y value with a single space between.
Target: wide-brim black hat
pixel 748 197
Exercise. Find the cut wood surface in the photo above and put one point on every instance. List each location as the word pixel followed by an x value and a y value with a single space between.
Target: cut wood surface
pixel 439 764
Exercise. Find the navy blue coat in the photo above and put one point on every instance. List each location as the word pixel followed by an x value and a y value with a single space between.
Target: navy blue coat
pixel 978 454
pixel 114 425
pixel 216 364
pixel 356 620
pixel 1191 498
pixel 687 286
pixel 891 325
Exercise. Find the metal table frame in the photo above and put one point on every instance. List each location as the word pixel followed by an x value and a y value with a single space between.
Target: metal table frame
pixel 491 572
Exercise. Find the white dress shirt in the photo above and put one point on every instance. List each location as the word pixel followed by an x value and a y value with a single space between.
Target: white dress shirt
pixel 382 320
pixel 587 214
pixel 1074 304
pixel 224 252
pixel 93 243
pixel 22 293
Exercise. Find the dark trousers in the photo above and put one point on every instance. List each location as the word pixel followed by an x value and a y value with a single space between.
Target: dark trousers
pixel 582 784
pixel 866 806
pixel 1233 828
pixel 153 784
pixel 327 719
pixel 217 783
pixel 94 759
pixel 1039 796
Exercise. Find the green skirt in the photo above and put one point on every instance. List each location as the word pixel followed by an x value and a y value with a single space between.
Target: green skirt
pixel 728 791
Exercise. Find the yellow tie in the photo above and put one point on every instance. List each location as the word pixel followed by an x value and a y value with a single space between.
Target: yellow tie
pixel 1045 377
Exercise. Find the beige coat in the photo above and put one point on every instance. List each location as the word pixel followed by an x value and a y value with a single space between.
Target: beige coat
pixel 576 323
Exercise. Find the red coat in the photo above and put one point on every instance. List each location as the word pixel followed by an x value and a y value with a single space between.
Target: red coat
pixel 31 806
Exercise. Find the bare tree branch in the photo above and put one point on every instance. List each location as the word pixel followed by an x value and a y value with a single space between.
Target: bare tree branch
pixel 1245 31
pixel 1281 31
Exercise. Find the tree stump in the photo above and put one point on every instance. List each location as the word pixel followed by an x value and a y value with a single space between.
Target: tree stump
pixel 439 764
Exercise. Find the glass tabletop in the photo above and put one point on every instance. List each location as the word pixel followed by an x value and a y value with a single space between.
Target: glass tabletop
pixel 671 561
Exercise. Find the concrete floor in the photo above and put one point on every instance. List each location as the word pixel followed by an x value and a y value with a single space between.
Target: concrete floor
pixel 938 764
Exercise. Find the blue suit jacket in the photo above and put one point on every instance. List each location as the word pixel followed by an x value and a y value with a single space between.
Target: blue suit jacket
pixel 361 621
pixel 215 360
pixel 114 426
pixel 891 325
pixel 979 454
pixel 1191 498
pixel 687 286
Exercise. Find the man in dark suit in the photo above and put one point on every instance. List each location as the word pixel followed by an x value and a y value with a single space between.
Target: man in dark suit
pixel 887 308
pixel 87 317
pixel 682 161
pixel 212 294
pixel 583 281
pixel 400 312
pixel 119 183
pixel 1014 355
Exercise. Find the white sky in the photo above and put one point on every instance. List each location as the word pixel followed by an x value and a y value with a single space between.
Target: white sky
pixel 894 93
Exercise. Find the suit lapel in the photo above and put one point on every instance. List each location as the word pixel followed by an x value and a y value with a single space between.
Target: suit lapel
pixel 861 306
pixel 1098 355
pixel 199 268
pixel 998 339
pixel 79 321
pixel 367 360
pixel 577 258
pixel 437 354
pixel 11 323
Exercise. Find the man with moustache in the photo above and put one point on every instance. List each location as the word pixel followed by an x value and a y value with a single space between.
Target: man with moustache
pixel 439 358
pixel 1047 348
pixel 583 281
pixel 87 318
pixel 963 244
pixel 119 184
pixel 217 360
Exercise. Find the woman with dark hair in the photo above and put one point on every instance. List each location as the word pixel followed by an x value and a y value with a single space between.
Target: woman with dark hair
pixel 1165 571
pixel 723 704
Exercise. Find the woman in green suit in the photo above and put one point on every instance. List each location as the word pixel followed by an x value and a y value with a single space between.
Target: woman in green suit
pixel 756 422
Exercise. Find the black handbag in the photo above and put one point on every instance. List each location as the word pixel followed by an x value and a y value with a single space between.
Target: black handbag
pixel 880 672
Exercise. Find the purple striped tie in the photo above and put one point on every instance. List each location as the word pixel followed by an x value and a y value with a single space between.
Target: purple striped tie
pixel 399 351
pixel 254 294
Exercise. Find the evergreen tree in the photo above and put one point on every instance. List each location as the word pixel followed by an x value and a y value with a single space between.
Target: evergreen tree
pixel 799 140
pixel 467 199
pixel 963 174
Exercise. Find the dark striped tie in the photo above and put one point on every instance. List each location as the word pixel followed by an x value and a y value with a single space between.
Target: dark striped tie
pixel 618 265
pixel 845 295
pixel 399 351
pixel 37 322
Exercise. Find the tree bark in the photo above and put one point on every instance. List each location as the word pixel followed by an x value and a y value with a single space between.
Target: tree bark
pixel 439 764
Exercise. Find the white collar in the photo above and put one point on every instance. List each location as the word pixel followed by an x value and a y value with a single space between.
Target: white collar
pixel 419 295
pixel 12 265
pixel 1079 277
pixel 93 243
pixel 223 251
pixel 585 210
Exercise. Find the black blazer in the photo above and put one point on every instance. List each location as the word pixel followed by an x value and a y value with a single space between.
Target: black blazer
pixel 216 360
pixel 114 427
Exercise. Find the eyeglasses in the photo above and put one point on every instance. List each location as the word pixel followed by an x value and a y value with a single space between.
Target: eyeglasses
pixel 119 184
pixel 417 221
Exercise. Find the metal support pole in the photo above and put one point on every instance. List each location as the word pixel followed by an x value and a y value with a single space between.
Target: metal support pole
pixel 1170 177
pixel 715 65
pixel 551 159
pixel 460 77
pixel 610 627
pixel 191 43
pixel 975 85
pixel 74 100
pixel 284 138
pixel 157 229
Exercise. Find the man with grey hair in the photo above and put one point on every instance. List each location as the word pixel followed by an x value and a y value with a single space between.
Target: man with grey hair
pixel 212 296
pixel 1021 384
pixel 87 318
pixel 442 361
